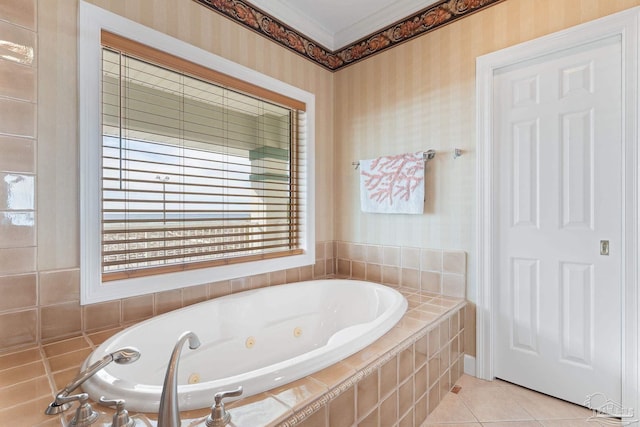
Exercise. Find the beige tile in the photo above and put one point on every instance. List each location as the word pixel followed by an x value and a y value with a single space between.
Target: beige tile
pixel 25 391
pixel 317 419
pixel 543 407
pixel 19 12
pixel 427 424
pixel 374 273
pixel 69 360
pixel 342 409
pixel 18 154
pixel 17 260
pixel 371 420
pixel 358 270
pixel 581 422
pixel 405 364
pixel 390 275
pixel 410 258
pixel 19 358
pixel 453 285
pixel 59 286
pixel 431 281
pixel 405 397
pixel 433 371
pixel 434 398
pixel 514 424
pixel 61 320
pixel 98 338
pixel 434 341
pixel 306 273
pixel 22 373
pixel 320 255
pixel 319 269
pixel 494 404
pixel 237 285
pixel 19 44
pixel 170 300
pixel 344 267
pixel 361 359
pixel 344 250
pixel 219 289
pixel 18 328
pixel 389 410
pixel 330 267
pixel 374 254
pixel 29 413
pixel 62 378
pixel 431 260
pixel 391 256
pixel 299 393
pixel 367 394
pixel 334 374
pixel 421 351
pixel 137 308
pixel 261 409
pixel 101 316
pixel 17 81
pixel 422 316
pixel 279 277
pixel 17 192
pixel 196 294
pixel 411 278
pixel 388 377
pixel 66 346
pixel 17 118
pixel 17 229
pixel 420 382
pixel 454 262
pixel 358 252
pixel 18 292
pixel 292 275
pixel 407 420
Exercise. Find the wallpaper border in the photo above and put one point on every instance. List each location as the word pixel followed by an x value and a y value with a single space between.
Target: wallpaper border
pixel 429 19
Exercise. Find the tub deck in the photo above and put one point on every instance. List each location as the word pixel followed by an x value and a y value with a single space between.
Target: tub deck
pixel 397 380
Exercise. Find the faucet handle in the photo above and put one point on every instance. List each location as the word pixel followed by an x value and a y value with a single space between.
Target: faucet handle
pixel 219 417
pixel 85 415
pixel 121 417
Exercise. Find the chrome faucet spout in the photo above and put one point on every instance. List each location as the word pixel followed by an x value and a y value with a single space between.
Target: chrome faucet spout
pixel 122 356
pixel 169 413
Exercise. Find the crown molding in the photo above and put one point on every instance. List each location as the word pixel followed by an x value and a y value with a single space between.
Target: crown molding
pixel 424 21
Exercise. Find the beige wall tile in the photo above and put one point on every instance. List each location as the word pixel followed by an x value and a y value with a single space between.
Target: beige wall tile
pixel 410 258
pixel 299 392
pixel 277 278
pixel 59 286
pixel 293 275
pixel 391 255
pixel 171 300
pixel 390 275
pixel 317 419
pixel 389 410
pixel 19 12
pixel 19 358
pixel 21 373
pixel 137 308
pixel 454 262
pixel 334 374
pixel 17 154
pixel 330 266
pixel 367 394
pixel 17 81
pixel 17 118
pixel 61 320
pixel 420 382
pixel 30 413
pixel 342 409
pixel 405 397
pixel 431 281
pixel 358 270
pixel 18 328
pixel 374 273
pixel 65 346
pixel 65 361
pixel 219 289
pixel 358 252
pixel 320 251
pixel 344 267
pixel 306 273
pixel 19 44
pixel 431 260
pixel 195 294
pixel 17 229
pixel 405 364
pixel 18 292
pixel 411 278
pixel 101 316
pixel 374 254
pixel 344 250
pixel 453 285
pixel 25 391
pixel 421 351
pixel 17 192
pixel 319 269
pixel 17 260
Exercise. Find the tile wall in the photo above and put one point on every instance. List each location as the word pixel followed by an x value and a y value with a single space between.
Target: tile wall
pixel 428 270
pixel 18 143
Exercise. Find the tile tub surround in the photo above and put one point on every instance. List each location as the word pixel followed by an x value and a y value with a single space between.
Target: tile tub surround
pixel 398 380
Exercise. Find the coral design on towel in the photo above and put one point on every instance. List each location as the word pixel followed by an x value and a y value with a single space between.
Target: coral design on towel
pixel 393 184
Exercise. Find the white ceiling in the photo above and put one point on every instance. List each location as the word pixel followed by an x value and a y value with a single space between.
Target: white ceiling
pixel 338 23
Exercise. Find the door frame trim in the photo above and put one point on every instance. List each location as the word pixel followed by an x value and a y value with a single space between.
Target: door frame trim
pixel 626 26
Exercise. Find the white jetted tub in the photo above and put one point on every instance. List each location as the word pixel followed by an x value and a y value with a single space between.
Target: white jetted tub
pixel 258 339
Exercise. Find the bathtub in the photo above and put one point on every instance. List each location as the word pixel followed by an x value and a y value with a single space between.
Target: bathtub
pixel 259 339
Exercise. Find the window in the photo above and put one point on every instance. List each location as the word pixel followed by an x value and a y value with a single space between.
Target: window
pixel 196 176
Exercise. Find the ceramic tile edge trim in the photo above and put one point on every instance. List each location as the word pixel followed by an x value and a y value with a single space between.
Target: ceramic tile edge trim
pixel 306 411
pixel 422 22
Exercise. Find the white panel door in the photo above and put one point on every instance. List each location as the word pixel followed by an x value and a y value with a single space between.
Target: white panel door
pixel 558 137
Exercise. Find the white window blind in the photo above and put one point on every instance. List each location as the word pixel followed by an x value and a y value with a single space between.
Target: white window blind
pixel 194 173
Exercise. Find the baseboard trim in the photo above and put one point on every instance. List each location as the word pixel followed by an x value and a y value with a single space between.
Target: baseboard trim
pixel 470 365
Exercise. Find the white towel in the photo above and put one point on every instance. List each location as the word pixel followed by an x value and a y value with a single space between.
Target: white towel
pixel 393 184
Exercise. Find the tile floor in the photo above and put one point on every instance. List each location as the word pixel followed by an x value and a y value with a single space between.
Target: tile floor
pixel 501 404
